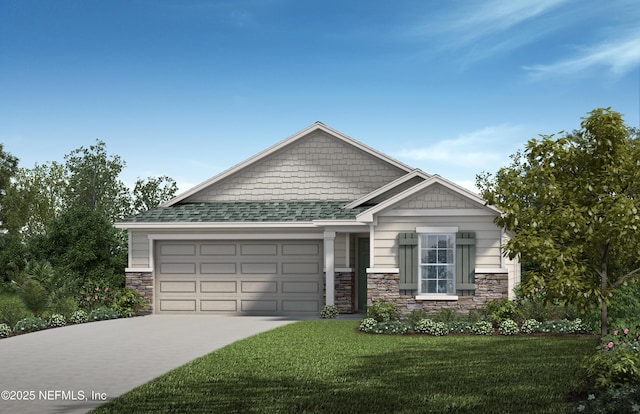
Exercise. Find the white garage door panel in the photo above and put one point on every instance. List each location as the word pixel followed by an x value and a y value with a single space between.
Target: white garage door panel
pixel 189 287
pixel 218 287
pixel 178 305
pixel 269 277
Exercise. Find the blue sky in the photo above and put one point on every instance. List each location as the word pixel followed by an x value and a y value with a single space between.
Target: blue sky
pixel 190 88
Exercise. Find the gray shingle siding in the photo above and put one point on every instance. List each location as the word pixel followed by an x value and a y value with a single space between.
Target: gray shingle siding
pixel 316 167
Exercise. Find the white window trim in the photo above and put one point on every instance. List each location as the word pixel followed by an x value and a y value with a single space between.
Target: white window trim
pixel 453 230
pixel 436 296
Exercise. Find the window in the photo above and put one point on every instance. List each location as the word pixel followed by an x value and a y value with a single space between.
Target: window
pixel 437 263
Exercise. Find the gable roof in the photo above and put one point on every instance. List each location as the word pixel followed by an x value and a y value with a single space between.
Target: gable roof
pixel 399 185
pixel 367 215
pixel 318 126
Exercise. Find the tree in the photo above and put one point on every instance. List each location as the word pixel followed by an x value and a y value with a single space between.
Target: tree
pixel 83 243
pixel 34 198
pixel 572 207
pixel 153 192
pixel 8 168
pixel 93 182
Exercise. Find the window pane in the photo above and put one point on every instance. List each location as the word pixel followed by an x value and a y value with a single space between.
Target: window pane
pixel 423 286
pixel 432 272
pixel 442 286
pixel 432 241
pixel 442 256
pixel 432 286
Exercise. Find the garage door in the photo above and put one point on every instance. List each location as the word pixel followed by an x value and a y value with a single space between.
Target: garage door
pixel 263 277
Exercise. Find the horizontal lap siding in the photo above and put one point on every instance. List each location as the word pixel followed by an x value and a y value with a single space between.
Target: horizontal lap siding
pixel 488 252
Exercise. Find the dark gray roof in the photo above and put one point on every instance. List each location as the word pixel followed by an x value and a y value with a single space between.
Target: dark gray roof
pixel 249 211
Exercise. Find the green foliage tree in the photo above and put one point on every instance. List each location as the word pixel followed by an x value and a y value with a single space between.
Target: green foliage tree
pixel 83 243
pixel 93 182
pixel 571 206
pixel 152 192
pixel 35 197
pixel 8 168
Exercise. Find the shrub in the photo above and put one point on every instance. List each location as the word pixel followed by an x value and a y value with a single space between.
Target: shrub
pixel 497 311
pixel 625 399
pixel 12 309
pixel 102 314
pixel 530 326
pixel 329 312
pixel 508 327
pixel 577 326
pixel 447 315
pixel 57 320
pixel 612 368
pixel 92 296
pixel 416 316
pixel 368 325
pixel 30 325
pixel 5 330
pixel 79 316
pixel 461 327
pixel 383 311
pixel 65 306
pixel 430 327
pixel 617 362
pixel 558 326
pixel 482 328
pixel 129 303
pixel 34 296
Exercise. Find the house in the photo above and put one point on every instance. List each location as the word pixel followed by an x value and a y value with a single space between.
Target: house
pixel 319 219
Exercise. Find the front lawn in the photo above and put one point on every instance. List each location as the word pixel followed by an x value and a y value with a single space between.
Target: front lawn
pixel 328 367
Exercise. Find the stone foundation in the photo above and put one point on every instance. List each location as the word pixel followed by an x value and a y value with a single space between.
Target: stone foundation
pixel 386 286
pixel 143 283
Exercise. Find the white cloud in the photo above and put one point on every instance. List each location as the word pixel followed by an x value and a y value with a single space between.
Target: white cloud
pixel 620 56
pixel 482 148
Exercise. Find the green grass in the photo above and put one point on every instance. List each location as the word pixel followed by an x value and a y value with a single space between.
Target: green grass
pixel 328 367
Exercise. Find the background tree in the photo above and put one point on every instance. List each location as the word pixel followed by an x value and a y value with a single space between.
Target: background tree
pixel 8 168
pixel 571 205
pixel 152 192
pixel 35 197
pixel 93 182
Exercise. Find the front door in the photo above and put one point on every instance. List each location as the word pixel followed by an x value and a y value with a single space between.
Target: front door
pixel 363 264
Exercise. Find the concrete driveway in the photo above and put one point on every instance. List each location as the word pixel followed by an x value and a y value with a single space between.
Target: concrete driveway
pixel 76 368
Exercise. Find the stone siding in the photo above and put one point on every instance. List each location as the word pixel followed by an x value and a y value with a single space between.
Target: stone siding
pixel 143 283
pixel 345 292
pixel 386 286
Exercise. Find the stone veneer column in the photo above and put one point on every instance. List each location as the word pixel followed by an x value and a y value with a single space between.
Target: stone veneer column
pixel 345 294
pixel 143 283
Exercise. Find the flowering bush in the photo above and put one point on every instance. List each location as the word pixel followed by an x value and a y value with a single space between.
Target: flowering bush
pixel 508 327
pixel 577 326
pixel 30 325
pixel 617 362
pixel 57 320
pixel 329 312
pixel 430 327
pixel 559 326
pixel 5 330
pixel 460 327
pixel 625 399
pixel 482 328
pixel 368 324
pixel 93 297
pixel 102 314
pixel 530 326
pixel 79 316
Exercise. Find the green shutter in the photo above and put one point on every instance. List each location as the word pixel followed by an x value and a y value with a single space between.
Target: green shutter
pixel 465 264
pixel 408 261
